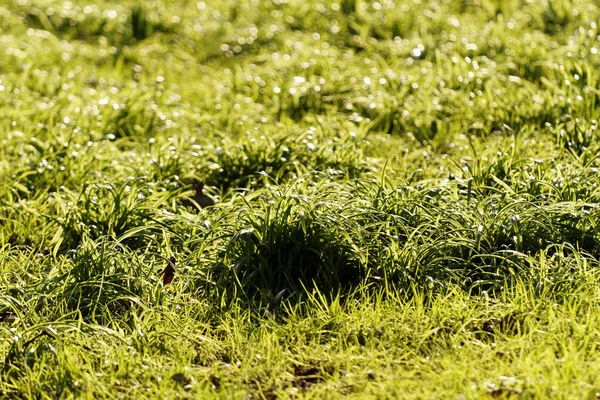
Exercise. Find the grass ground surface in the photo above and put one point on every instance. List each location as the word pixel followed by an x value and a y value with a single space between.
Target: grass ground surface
pixel 299 199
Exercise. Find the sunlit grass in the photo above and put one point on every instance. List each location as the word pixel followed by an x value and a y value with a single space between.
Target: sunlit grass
pixel 359 197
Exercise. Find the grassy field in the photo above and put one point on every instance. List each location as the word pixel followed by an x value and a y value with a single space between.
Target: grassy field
pixel 299 199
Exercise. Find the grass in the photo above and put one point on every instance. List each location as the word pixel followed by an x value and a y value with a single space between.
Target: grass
pixel 359 199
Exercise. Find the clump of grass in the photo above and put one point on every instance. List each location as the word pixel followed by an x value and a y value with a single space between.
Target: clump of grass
pixel 292 243
pixel 439 235
pixel 577 135
pixel 100 281
pixel 262 159
pixel 123 26
pixel 127 213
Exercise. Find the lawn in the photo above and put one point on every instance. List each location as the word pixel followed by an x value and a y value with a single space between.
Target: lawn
pixel 299 199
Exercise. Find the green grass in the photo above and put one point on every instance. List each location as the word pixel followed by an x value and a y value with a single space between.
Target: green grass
pixel 394 199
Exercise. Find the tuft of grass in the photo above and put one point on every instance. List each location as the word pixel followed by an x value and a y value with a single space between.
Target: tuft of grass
pixel 292 243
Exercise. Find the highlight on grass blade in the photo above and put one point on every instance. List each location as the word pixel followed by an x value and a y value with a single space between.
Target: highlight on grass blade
pixel 169 272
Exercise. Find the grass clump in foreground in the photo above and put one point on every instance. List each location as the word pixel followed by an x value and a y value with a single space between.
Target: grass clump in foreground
pixel 357 198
